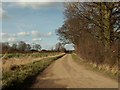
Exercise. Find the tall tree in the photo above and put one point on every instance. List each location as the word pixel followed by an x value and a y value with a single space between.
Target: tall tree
pixel 60 47
pixel 28 47
pixel 21 46
pixel 37 47
pixel 14 46
pixel 90 26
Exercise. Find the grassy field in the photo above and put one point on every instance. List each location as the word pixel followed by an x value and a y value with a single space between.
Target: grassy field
pixel 103 69
pixel 15 72
pixel 18 55
pixel 9 60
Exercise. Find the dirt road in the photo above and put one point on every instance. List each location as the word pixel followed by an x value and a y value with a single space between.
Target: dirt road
pixel 65 73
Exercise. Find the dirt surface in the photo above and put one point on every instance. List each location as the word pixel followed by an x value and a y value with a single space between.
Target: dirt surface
pixel 66 73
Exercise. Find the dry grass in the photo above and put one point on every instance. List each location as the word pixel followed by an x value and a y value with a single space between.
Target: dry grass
pixel 106 69
pixel 16 77
pixel 8 63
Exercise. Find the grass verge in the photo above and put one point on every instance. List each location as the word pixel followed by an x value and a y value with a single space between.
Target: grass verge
pixel 91 66
pixel 18 55
pixel 20 73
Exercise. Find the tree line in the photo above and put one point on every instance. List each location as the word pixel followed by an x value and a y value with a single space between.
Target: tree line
pixel 19 47
pixel 94 29
pixel 23 47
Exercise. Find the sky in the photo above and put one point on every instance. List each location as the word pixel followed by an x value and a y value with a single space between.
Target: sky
pixel 34 22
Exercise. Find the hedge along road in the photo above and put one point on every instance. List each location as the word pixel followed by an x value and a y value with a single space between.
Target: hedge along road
pixel 65 73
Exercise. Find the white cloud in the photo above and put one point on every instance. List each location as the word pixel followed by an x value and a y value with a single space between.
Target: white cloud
pixel 30 3
pixel 7 37
pixel 69 46
pixel 49 34
pixel 4 35
pixel 23 34
pixel 35 33
pixel 12 39
pixel 23 3
pixel 33 5
pixel 47 46
pixel 36 39
pixel 38 34
pixel 32 33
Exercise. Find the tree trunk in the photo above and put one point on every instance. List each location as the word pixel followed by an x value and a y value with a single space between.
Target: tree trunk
pixel 107 29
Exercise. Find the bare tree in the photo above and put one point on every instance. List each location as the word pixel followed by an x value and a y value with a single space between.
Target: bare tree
pixel 5 47
pixel 60 47
pixel 37 47
pixel 92 27
pixel 28 47
pixel 14 46
pixel 21 46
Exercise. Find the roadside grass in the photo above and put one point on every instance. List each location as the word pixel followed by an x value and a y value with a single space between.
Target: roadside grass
pixel 20 73
pixel 102 69
pixel 18 55
pixel 10 60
